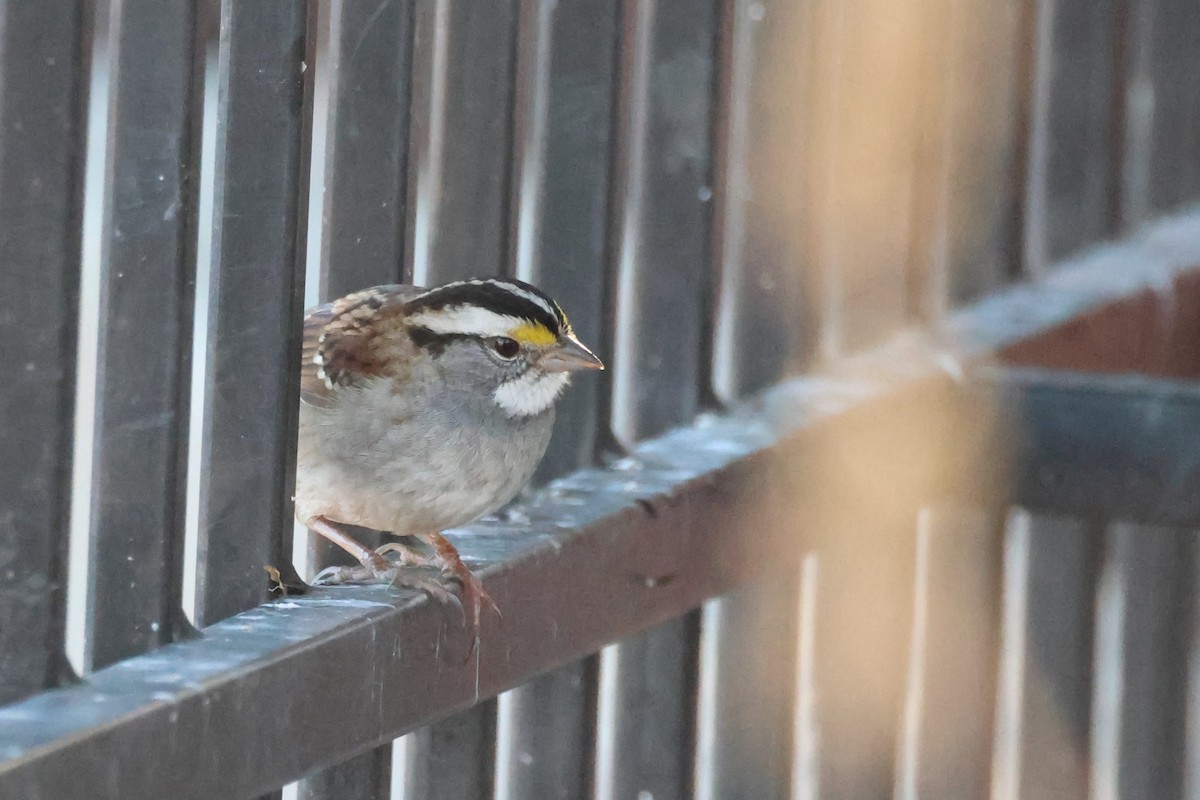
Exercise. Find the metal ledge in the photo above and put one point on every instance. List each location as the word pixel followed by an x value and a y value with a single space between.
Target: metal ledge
pixel 598 556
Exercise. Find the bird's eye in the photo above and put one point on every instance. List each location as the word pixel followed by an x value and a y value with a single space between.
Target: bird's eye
pixel 505 348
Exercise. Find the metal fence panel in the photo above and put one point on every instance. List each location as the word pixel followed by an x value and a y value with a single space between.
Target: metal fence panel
pixel 41 166
pixel 662 188
pixel 670 524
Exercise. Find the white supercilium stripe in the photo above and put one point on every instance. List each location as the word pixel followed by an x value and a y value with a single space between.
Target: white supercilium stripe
pixel 467 321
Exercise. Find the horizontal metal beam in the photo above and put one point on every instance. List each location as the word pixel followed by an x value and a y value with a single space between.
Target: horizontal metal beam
pixel 271 694
pixel 1111 448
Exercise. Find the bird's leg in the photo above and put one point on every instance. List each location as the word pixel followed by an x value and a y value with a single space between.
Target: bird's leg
pixel 473 595
pixel 374 566
pixel 409 557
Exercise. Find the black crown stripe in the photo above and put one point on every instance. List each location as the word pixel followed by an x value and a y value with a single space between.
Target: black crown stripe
pixel 493 297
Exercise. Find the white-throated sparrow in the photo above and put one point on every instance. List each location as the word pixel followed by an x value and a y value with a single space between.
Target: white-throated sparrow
pixel 425 409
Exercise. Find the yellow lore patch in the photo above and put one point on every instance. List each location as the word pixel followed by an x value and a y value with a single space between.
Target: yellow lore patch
pixel 534 333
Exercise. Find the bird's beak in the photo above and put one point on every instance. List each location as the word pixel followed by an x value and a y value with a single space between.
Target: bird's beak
pixel 569 355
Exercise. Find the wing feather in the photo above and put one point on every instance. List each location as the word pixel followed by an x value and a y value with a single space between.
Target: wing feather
pixel 354 338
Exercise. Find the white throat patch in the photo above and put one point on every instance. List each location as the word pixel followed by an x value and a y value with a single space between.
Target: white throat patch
pixel 532 393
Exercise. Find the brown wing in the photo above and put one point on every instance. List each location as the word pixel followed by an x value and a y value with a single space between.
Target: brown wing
pixel 353 338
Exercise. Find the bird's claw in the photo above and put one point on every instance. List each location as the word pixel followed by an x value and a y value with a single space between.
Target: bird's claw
pixel 387 573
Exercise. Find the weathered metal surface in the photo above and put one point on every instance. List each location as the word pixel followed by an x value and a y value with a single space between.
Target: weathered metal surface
pixel 41 166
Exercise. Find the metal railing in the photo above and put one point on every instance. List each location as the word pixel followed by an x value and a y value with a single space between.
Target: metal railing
pixel 781 556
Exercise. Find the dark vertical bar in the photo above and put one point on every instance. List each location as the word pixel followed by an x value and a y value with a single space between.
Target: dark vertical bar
pixel 660 225
pixel 453 759
pixel 368 58
pixel 1188 636
pixel 645 719
pixel 365 199
pixel 1073 165
pixel 947 721
pixel 1138 722
pixel 542 745
pixel 763 325
pixel 1135 103
pixel 561 185
pixel 254 324
pixel 1022 178
pixel 41 165
pixel 460 155
pixel 1043 713
pixel 146 297
pixel 1174 148
pixel 660 213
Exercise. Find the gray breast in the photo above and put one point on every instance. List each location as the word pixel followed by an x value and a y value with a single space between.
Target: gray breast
pixel 407 464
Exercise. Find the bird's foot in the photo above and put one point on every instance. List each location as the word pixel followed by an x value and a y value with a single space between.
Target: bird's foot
pixel 380 570
pixel 406 555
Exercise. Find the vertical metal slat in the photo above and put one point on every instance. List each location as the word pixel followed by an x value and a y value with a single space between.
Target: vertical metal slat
pixel 254 323
pixel 147 281
pixel 1044 689
pixel 763 325
pixel 1072 165
pixel 945 744
pixel 867 58
pixel 460 154
pixel 661 214
pixel 542 746
pixel 561 184
pixel 644 714
pixel 43 49
pixel 661 240
pixel 969 140
pixel 364 199
pixel 452 759
pixel 1175 58
pixel 1137 727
